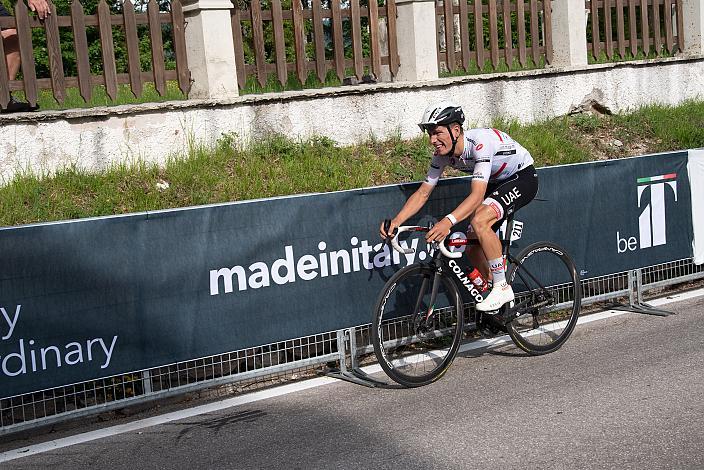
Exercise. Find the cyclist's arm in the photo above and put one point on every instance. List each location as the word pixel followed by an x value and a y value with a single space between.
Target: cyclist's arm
pixel 464 210
pixel 410 208
pixel 471 202
pixel 480 180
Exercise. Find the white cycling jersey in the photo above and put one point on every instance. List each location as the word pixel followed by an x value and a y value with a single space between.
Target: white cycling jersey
pixel 489 155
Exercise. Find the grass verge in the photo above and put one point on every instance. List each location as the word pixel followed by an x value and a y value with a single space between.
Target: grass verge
pixel 275 165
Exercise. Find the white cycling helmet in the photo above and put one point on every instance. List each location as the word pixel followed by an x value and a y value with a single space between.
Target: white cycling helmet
pixel 442 113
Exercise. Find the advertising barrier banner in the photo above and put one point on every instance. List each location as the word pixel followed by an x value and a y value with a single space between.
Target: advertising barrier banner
pixel 695 170
pixel 98 297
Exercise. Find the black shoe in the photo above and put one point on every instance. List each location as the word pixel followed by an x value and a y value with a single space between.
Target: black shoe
pixel 16 106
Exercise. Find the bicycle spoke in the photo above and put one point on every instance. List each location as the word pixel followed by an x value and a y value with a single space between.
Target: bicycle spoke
pixel 417 326
pixel 548 298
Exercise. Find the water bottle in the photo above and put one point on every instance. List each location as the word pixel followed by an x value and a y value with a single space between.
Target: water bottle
pixel 476 277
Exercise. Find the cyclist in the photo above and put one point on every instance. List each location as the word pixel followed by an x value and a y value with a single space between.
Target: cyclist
pixel 503 180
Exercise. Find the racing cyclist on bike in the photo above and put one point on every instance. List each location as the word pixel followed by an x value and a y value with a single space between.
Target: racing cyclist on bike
pixel 503 180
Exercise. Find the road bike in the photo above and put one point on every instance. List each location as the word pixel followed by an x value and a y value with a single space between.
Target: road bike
pixel 425 308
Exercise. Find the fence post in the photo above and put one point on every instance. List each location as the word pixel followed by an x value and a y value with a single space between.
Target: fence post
pixel 384 50
pixel 210 49
pixel 417 40
pixel 569 33
pixel 693 14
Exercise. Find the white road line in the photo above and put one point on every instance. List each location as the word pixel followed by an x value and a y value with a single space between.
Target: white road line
pixel 162 419
pixel 280 391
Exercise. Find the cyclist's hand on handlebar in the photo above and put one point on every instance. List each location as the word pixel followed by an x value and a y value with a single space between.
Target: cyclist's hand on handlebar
pixel 388 228
pixel 439 231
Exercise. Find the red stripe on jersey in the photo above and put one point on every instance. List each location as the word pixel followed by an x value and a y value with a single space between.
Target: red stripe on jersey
pixel 503 165
pixel 498 134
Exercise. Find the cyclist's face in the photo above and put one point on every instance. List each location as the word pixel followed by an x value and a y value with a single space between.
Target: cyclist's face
pixel 440 139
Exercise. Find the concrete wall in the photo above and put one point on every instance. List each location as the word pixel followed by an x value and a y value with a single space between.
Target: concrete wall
pixel 98 137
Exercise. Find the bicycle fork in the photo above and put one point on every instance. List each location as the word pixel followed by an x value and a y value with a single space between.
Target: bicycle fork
pixel 422 318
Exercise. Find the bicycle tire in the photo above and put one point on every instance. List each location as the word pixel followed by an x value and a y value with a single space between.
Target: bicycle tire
pixel 409 356
pixel 542 329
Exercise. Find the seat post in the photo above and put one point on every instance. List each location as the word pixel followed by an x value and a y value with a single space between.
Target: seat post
pixel 506 240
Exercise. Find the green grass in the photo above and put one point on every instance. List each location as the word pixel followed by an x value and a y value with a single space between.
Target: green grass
pixel 100 97
pixel 668 127
pixel 272 84
pixel 274 166
pixel 502 66
pixel 616 57
pixel 555 142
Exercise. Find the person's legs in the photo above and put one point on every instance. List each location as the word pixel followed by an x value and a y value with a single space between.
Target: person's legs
pixel 501 292
pixel 11 45
pixel 508 197
pixel 501 202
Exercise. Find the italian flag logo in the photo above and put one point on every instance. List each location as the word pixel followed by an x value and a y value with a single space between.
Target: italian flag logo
pixel 653 179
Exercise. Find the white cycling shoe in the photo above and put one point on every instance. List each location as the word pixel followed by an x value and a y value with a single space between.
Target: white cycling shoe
pixel 499 295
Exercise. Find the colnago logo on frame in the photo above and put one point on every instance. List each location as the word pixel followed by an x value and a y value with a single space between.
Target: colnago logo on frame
pixel 653 194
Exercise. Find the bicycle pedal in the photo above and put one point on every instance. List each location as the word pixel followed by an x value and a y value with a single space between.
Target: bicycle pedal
pixel 487 332
pixel 491 325
pixel 509 313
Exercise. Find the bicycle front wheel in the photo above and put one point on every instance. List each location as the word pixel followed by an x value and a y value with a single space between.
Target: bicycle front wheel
pixel 417 325
pixel 548 298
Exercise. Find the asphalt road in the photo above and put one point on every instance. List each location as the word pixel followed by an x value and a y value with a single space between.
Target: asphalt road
pixel 626 392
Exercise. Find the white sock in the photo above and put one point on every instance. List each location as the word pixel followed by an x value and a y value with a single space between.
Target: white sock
pixel 497 270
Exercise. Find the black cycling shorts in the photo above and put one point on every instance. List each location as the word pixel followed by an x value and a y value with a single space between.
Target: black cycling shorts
pixel 509 195
pixel 3 11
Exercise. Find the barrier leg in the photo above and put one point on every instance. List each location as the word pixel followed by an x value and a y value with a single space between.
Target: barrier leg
pixel 146 382
pixel 635 298
pixel 354 374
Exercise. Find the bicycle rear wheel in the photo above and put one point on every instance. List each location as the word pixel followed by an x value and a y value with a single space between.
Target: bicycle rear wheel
pixel 548 298
pixel 417 325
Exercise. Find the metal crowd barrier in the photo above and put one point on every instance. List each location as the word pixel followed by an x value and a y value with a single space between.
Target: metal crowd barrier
pixel 267 365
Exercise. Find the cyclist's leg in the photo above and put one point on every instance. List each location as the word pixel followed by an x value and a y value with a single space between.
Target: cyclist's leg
pixel 480 228
pixel 475 255
pixel 513 193
pixel 506 197
pixel 502 201
pixel 483 222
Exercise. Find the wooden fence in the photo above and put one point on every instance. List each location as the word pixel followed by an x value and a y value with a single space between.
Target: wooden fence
pixel 470 32
pixel 320 39
pixel 630 27
pixel 85 80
